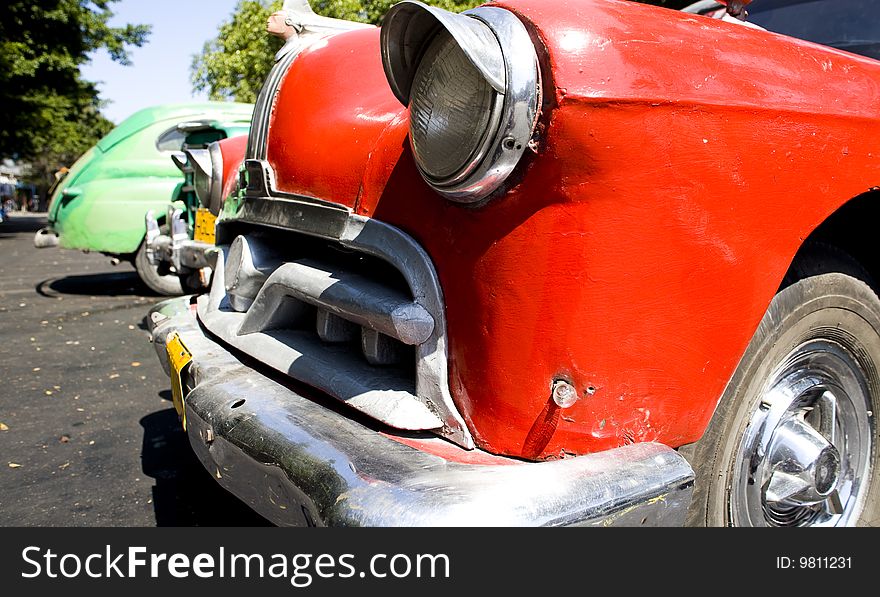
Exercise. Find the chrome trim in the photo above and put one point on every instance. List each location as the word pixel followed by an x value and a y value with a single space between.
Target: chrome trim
pixel 300 215
pixel 352 297
pixel 151 239
pixel 410 26
pixel 176 248
pixel 198 162
pixel 298 463
pixel 257 140
pixel 379 240
pixel 281 334
pixel 383 395
pixel 260 184
pixel 808 449
pixel 407 33
pixel 206 166
pixel 214 198
pixel 249 263
pixel 46 238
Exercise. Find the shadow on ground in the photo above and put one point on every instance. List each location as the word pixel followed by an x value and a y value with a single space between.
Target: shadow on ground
pixel 110 284
pixel 21 224
pixel 185 494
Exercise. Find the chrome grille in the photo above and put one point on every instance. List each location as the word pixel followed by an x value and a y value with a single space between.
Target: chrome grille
pixel 337 317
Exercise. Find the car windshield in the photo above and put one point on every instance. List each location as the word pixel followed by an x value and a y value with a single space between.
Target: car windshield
pixel 850 25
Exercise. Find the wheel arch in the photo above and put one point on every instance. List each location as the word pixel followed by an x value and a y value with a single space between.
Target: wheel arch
pixel 850 229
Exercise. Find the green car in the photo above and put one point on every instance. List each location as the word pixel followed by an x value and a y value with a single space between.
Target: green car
pixel 101 203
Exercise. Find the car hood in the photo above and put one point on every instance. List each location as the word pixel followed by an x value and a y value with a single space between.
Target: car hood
pixel 327 124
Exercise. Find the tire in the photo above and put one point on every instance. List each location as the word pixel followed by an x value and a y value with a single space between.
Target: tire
pixel 799 406
pixel 165 285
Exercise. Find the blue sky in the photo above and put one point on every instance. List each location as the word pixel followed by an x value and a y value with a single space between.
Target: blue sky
pixel 160 72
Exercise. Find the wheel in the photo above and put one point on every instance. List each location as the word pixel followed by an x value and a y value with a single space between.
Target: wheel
pixel 793 441
pixel 165 285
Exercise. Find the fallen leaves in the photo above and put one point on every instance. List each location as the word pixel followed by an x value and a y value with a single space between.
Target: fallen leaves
pixel 4 427
pixel 14 465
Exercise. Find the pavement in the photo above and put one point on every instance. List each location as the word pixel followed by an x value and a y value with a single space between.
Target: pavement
pixel 88 434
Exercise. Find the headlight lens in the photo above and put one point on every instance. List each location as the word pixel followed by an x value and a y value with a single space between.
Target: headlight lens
pixel 450 112
pixel 472 85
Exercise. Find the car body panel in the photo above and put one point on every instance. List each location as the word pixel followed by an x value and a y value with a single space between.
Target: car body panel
pixel 233 151
pixel 330 120
pixel 636 252
pixel 101 204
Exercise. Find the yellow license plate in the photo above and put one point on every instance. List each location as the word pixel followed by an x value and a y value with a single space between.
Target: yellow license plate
pixel 206 223
pixel 179 357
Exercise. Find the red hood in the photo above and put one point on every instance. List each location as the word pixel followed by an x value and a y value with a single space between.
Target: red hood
pixel 329 116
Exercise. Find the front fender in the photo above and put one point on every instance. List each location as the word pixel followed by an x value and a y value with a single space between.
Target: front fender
pixel 108 215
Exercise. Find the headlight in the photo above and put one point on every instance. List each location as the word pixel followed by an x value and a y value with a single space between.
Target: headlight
pixel 472 85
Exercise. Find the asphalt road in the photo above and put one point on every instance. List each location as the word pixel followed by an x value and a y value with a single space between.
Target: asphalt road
pixel 88 435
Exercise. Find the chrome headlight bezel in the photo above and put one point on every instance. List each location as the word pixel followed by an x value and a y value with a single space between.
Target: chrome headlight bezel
pixel 206 167
pixel 499 46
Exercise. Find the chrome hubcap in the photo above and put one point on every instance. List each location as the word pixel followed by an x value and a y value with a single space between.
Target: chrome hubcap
pixel 805 457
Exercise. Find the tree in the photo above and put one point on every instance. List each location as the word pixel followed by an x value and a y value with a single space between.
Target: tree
pixel 43 45
pixel 234 65
pixel 51 114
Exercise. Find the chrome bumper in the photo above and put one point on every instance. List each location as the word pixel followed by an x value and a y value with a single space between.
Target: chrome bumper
pixel 46 239
pixel 176 248
pixel 299 463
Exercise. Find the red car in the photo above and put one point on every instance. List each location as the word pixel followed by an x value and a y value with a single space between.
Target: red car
pixel 586 262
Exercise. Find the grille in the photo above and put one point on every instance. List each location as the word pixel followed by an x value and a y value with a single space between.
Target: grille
pixel 340 320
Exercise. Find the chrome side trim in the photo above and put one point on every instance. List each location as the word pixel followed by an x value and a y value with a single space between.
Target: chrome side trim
pixel 300 464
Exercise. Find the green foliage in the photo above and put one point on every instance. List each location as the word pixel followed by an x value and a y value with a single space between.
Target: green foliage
pixel 51 114
pixel 234 65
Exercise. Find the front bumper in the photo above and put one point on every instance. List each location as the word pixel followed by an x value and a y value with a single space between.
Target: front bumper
pixel 299 463
pixel 176 249
pixel 46 239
